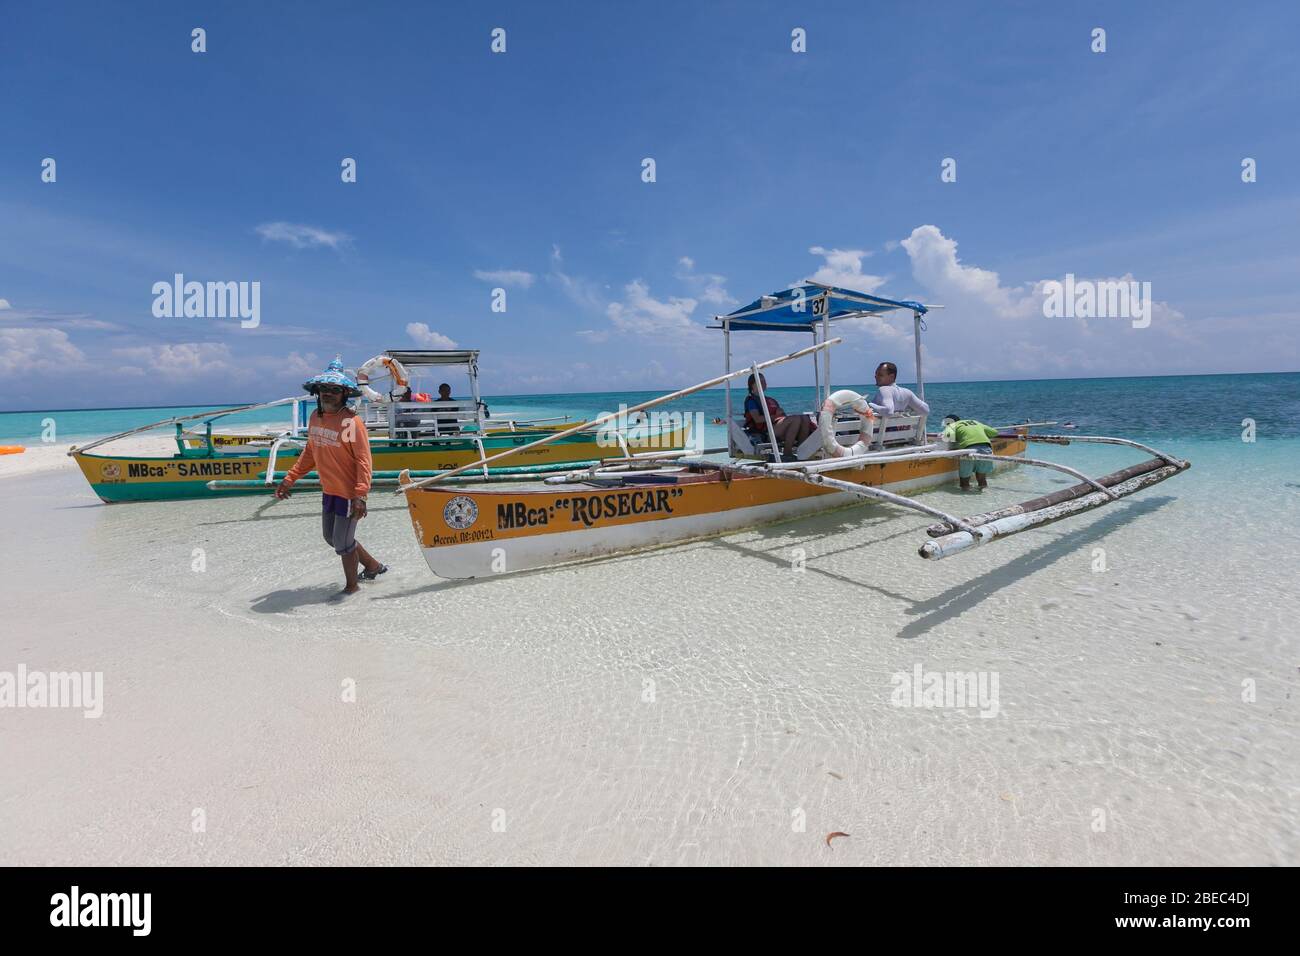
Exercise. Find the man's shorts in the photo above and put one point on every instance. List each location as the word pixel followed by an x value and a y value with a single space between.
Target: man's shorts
pixel 337 524
pixel 966 466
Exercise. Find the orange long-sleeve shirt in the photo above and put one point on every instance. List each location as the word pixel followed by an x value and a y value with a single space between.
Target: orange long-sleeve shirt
pixel 338 448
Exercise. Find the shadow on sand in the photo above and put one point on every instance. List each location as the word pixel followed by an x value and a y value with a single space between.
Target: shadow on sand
pixel 929 613
pixel 278 602
pixel 957 600
pixel 259 514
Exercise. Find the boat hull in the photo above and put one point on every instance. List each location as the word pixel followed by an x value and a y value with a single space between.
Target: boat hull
pixel 124 478
pixel 467 534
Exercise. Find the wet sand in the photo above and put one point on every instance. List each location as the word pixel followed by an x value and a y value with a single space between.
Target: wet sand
pixel 704 704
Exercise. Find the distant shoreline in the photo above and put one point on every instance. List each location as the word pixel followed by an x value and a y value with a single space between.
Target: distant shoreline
pixel 665 389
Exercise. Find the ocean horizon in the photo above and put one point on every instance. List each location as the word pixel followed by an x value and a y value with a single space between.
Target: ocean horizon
pixel 1169 407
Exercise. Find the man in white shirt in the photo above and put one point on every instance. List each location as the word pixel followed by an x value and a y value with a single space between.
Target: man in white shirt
pixel 891 399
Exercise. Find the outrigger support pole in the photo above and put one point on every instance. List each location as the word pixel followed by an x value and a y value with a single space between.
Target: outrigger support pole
pixel 951 538
pixel 1028 517
pixel 409 485
pixel 220 413
pixel 767 416
pixel 835 484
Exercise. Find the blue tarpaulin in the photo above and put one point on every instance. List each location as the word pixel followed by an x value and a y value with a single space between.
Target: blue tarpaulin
pixel 803 307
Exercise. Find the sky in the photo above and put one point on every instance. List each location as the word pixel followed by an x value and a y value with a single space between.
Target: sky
pixel 524 171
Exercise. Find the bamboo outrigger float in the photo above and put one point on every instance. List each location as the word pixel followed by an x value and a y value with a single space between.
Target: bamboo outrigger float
pixel 428 437
pixel 637 504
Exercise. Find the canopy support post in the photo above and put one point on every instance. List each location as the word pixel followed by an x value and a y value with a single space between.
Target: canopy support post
pixel 478 405
pixel 916 338
pixel 817 382
pixel 826 334
pixel 726 348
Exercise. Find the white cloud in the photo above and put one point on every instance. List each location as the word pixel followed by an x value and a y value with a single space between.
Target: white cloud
pixel 59 320
pixel 181 361
pixel 989 329
pixel 581 292
pixel 935 265
pixel 26 351
pixel 425 337
pixel 642 314
pixel 843 268
pixel 506 277
pixel 301 236
pixel 708 286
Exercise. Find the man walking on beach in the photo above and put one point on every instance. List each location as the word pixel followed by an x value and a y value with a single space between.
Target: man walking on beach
pixel 968 433
pixel 338 448
pixel 891 399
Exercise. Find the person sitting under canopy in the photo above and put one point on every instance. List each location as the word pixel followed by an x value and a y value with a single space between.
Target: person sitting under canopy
pixel 790 430
pixel 891 399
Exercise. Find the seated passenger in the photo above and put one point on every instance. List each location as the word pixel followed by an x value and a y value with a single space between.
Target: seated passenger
pixel 790 430
pixel 891 399
pixel 446 425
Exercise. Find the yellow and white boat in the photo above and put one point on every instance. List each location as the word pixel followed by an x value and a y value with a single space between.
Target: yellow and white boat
pixel 466 533
pixel 427 437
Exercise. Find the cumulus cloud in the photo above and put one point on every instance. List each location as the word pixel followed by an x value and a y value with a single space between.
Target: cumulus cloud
pixel 843 268
pixel 990 329
pixel 936 266
pixel 642 314
pixel 506 277
pixel 301 236
pixel 425 337
pixel 27 351
pixel 181 361
pixel 4 304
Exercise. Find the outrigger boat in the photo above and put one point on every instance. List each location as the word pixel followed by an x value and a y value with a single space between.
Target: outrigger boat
pixel 424 437
pixel 853 456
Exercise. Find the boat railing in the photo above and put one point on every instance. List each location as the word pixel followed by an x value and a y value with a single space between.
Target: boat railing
pixel 416 420
pixel 275 451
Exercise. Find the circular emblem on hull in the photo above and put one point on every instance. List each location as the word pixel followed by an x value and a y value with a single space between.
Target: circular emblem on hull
pixel 112 472
pixel 460 513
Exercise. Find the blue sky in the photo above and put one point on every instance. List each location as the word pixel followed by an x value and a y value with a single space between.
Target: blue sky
pixel 522 171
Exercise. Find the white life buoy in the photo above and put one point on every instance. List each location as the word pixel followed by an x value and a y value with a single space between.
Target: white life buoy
pixel 826 423
pixel 392 367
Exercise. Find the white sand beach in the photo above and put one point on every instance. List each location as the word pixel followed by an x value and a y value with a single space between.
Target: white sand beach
pixel 38 458
pixel 703 704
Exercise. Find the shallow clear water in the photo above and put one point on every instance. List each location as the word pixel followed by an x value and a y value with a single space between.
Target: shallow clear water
pixel 696 704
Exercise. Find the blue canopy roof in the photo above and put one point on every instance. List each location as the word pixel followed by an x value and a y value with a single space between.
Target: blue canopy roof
pixel 801 308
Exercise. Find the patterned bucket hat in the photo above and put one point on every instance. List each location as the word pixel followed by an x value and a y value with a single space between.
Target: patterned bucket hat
pixel 334 374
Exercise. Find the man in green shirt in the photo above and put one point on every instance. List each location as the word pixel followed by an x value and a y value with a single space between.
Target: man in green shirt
pixel 968 433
